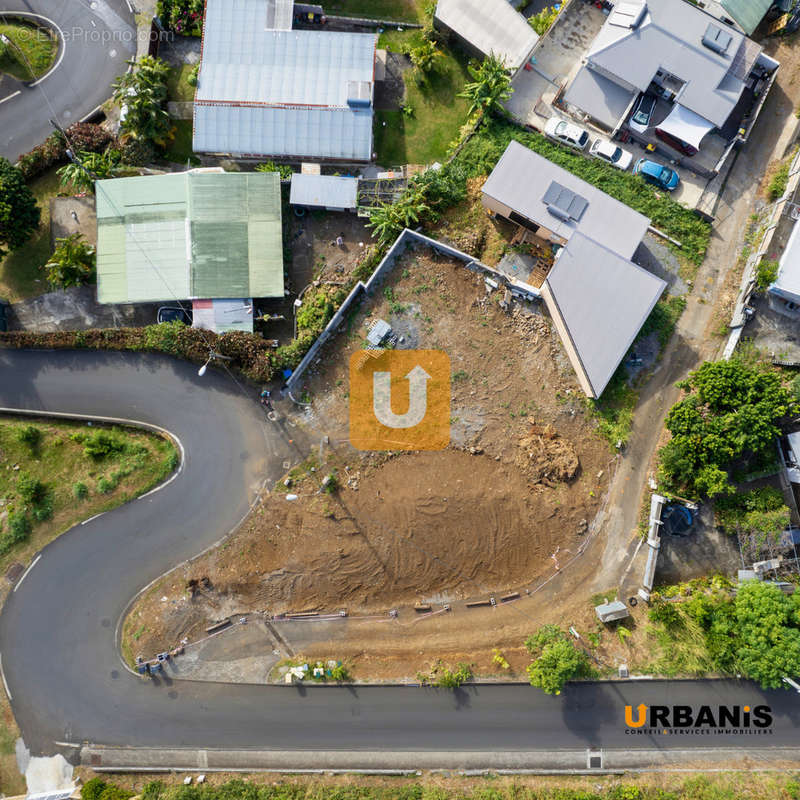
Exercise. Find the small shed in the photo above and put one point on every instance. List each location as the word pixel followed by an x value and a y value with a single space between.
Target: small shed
pixel 379 332
pixel 608 612
pixel 329 192
pixel 223 315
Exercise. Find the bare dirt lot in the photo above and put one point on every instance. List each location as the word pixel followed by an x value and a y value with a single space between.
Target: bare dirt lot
pixel 515 491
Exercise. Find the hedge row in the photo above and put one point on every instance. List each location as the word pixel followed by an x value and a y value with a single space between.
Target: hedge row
pixel 249 353
pixel 83 136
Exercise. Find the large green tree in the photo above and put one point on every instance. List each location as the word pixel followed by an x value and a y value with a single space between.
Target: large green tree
pixel 732 412
pixel 769 639
pixel 490 85
pixel 19 214
pixel 556 660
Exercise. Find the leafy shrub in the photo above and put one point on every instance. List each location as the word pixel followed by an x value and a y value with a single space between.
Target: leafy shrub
pixel 665 613
pixel 19 528
pixel 43 510
pixel 780 180
pixel 82 136
pixel 72 263
pixel 284 170
pixel 453 678
pixel 80 491
pixel 135 152
pixel 105 485
pixel 100 444
pixel 182 16
pixel 30 489
pixel 543 21
pixel 194 75
pixel 766 273
pixel 30 435
pixel 89 137
pixel 340 673
pixel 92 789
pixel 555 659
pixel 760 511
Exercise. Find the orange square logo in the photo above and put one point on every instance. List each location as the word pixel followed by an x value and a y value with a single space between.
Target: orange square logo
pixel 399 400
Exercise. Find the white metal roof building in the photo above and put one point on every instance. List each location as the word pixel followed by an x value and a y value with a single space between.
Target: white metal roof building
pixel 331 192
pixel 489 26
pixel 284 93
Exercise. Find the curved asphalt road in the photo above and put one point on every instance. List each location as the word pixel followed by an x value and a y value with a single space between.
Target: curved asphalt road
pixel 97 37
pixel 57 629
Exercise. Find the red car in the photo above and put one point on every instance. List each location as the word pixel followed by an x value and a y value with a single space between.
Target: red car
pixel 675 143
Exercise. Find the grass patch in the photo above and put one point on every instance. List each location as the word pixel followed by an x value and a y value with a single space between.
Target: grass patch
pixel 178 86
pixel 61 459
pixel 483 150
pixel 779 181
pixel 438 113
pixel 400 10
pixel 32 49
pixel 21 273
pixel 180 148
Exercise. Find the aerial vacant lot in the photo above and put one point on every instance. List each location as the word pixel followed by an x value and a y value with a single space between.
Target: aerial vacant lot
pixel 521 480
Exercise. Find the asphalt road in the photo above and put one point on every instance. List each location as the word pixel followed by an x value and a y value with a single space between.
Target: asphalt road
pixel 57 629
pixel 97 37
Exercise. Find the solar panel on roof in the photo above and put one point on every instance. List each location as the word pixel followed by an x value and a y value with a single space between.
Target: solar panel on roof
pixel 564 203
pixel 717 39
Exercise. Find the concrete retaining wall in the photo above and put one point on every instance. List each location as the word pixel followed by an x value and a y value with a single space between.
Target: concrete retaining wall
pixel 404 240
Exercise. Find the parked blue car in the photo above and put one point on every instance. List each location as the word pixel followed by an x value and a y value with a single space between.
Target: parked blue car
pixel 655 173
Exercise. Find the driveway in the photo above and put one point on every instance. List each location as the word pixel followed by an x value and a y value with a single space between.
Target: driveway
pixel 97 37
pixel 57 631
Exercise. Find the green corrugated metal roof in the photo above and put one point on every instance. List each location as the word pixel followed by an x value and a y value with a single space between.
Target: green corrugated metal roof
pixel 747 13
pixel 189 235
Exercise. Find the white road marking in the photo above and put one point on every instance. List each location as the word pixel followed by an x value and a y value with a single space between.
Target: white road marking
pixel 25 574
pixel 67 744
pixel 11 96
pixel 3 675
pixel 94 517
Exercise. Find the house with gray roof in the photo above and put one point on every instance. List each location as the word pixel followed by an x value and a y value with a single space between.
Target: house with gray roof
pixel 597 297
pixel 265 90
pixel 488 26
pixel 676 49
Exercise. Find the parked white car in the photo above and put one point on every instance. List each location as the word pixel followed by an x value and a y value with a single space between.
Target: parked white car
pixel 566 133
pixel 610 153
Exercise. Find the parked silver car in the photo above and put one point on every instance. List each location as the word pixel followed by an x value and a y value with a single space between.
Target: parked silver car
pixel 566 133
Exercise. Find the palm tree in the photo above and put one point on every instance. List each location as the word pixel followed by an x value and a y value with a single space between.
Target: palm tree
pixel 88 167
pixel 142 93
pixel 388 219
pixel 490 86
pixel 72 263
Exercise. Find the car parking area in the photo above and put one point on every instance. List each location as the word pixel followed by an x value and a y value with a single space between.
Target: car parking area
pixel 692 185
pixel 555 61
pixel 703 162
